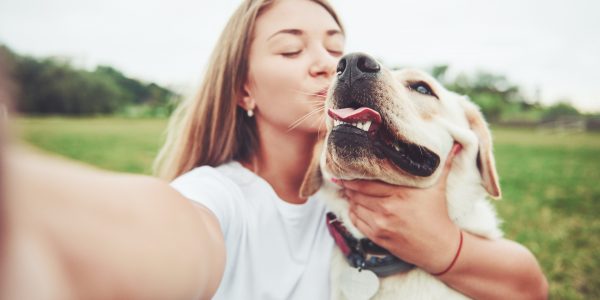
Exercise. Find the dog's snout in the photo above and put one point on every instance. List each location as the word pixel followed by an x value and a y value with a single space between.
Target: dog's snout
pixel 355 66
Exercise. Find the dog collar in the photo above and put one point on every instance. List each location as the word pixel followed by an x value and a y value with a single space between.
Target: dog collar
pixel 381 261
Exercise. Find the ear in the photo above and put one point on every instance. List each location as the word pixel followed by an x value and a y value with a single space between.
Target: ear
pixel 485 157
pixel 247 102
pixel 313 179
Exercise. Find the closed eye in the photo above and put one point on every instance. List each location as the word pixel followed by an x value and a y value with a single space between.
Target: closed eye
pixel 422 87
pixel 335 53
pixel 291 54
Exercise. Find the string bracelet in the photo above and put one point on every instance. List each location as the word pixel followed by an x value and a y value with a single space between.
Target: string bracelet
pixel 453 260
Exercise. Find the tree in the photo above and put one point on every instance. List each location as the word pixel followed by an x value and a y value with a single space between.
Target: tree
pixel 54 86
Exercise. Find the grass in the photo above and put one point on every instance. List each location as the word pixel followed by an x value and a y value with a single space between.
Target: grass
pixel 110 143
pixel 550 204
pixel 550 183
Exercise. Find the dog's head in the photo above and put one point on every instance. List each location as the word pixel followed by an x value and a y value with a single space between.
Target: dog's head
pixel 397 127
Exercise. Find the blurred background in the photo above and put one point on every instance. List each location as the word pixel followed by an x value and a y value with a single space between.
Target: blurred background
pixel 100 78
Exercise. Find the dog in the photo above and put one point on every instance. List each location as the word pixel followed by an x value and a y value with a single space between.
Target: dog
pixel 398 127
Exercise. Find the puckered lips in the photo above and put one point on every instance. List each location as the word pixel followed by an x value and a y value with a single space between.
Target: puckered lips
pixel 358 124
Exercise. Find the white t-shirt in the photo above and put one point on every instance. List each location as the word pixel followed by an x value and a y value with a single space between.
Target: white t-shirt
pixel 275 250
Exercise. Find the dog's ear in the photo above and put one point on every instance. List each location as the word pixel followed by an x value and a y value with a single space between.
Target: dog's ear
pixel 485 157
pixel 313 179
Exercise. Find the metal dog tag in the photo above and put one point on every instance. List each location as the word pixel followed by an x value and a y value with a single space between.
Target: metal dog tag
pixel 359 285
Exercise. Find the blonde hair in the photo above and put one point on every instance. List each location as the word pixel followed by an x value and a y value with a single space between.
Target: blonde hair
pixel 211 128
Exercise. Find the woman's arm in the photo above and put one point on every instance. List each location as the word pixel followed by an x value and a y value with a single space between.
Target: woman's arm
pixel 496 269
pixel 415 226
pixel 101 235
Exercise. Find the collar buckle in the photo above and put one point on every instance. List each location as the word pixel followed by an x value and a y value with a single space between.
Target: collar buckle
pixel 364 254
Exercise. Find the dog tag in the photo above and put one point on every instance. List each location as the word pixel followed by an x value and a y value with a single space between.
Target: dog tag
pixel 359 285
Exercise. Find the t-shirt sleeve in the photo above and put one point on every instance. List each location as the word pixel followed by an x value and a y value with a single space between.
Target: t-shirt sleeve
pixel 206 186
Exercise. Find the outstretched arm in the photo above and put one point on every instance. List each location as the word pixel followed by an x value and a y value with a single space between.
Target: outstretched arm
pixel 98 235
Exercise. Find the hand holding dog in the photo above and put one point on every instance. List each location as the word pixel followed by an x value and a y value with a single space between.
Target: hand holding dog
pixel 411 223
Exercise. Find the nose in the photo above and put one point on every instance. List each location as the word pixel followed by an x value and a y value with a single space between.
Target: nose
pixel 355 66
pixel 324 65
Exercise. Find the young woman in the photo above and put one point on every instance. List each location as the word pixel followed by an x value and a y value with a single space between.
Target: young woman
pixel 240 150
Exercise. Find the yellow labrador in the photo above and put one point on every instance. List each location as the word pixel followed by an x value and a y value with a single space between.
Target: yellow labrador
pixel 398 127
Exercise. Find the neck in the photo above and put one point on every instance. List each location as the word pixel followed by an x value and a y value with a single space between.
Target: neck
pixel 282 159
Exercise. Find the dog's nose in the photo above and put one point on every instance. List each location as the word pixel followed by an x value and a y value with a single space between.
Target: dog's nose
pixel 355 66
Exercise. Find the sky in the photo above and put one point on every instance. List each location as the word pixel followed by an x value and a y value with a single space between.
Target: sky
pixel 549 46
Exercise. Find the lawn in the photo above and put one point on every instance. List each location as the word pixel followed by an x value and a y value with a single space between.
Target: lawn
pixel 110 143
pixel 550 183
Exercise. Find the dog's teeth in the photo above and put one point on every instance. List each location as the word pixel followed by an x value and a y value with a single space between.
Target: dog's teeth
pixel 355 124
pixel 397 147
pixel 361 125
pixel 367 125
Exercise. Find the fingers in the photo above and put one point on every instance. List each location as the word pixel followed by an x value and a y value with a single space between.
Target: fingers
pixel 372 188
pixel 358 199
pixel 358 215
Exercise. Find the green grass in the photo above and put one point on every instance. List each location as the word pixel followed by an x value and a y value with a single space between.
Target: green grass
pixel 550 183
pixel 110 143
pixel 551 186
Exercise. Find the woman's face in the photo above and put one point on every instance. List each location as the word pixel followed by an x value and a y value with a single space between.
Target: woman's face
pixel 293 55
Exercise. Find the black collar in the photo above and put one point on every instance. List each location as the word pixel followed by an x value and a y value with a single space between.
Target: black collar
pixel 381 261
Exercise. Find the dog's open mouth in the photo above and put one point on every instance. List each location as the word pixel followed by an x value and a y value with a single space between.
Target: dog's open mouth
pixel 365 125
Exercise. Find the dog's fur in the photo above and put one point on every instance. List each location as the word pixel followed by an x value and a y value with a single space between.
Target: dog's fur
pixel 434 123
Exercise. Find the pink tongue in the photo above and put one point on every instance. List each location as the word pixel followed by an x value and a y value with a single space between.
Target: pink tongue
pixel 355 115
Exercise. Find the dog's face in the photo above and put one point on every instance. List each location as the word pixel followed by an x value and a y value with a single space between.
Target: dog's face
pixel 399 126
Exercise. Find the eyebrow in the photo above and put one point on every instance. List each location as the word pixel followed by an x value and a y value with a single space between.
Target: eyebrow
pixel 298 32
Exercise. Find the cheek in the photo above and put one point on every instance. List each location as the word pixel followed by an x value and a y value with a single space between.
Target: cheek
pixel 271 82
pixel 278 90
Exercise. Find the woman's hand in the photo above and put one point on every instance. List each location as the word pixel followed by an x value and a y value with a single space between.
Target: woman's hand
pixel 414 225
pixel 411 223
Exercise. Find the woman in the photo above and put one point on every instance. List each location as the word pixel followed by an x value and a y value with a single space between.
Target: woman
pixel 240 150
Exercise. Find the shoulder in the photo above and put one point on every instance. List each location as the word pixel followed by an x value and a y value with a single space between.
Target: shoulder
pixel 217 189
pixel 205 177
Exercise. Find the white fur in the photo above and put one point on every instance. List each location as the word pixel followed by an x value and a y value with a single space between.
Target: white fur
pixel 468 206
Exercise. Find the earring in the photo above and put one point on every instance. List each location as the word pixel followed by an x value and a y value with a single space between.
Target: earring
pixel 250 113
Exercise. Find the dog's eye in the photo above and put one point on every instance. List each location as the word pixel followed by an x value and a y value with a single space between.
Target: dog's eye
pixel 421 88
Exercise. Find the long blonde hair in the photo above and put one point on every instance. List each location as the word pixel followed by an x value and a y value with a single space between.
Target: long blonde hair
pixel 211 128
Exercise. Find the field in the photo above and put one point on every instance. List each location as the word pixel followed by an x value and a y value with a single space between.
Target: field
pixel 550 183
pixel 109 143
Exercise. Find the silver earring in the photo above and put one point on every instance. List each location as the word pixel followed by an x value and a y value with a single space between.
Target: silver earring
pixel 250 113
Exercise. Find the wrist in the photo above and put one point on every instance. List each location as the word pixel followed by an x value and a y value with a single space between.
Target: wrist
pixel 445 251
pixel 453 262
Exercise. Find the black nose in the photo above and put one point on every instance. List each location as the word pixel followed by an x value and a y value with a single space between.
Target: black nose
pixel 354 66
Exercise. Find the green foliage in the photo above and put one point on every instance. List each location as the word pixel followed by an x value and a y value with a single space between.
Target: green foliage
pixel 549 184
pixel 136 91
pixel 54 86
pixel 561 109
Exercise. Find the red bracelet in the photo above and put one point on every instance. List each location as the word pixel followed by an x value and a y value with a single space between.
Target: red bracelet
pixel 455 257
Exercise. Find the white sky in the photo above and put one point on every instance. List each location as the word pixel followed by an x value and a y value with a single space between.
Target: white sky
pixel 553 45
